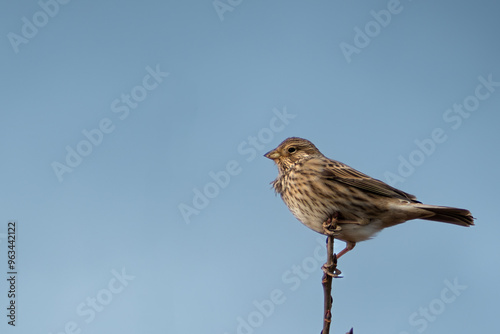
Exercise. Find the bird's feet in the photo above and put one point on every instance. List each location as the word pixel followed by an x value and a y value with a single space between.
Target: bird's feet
pixel 331 270
pixel 330 227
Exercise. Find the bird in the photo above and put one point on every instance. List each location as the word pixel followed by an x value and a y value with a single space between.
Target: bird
pixel 317 189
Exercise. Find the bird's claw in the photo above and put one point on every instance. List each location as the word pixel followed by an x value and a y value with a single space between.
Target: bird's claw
pixel 331 270
pixel 330 227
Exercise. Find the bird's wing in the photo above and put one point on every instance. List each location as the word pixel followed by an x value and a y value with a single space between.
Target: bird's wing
pixel 337 171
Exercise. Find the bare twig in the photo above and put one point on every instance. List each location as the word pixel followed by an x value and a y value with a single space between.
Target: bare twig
pixel 327 286
pixel 330 270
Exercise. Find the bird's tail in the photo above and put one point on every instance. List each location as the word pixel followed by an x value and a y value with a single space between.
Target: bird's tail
pixel 445 214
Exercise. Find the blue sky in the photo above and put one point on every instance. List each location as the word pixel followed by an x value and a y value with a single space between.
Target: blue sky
pixel 132 137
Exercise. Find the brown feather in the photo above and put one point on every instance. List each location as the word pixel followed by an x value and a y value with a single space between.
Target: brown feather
pixel 340 172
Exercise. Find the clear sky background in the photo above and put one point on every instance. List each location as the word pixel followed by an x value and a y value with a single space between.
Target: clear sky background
pixel 117 115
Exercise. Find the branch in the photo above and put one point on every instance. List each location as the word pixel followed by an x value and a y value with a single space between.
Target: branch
pixel 330 264
pixel 330 270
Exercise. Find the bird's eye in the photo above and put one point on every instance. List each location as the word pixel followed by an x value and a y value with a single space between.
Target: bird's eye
pixel 292 149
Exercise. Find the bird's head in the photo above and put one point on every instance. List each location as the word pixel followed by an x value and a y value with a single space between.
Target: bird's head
pixel 292 150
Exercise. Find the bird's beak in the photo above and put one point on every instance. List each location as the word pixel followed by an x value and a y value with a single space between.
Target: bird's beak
pixel 272 155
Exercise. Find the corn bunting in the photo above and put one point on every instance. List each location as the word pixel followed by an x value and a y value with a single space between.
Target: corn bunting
pixel 317 189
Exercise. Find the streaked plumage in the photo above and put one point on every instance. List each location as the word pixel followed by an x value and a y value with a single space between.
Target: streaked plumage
pixel 314 188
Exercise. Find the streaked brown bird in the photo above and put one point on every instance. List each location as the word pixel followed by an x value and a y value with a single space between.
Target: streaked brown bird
pixel 316 188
